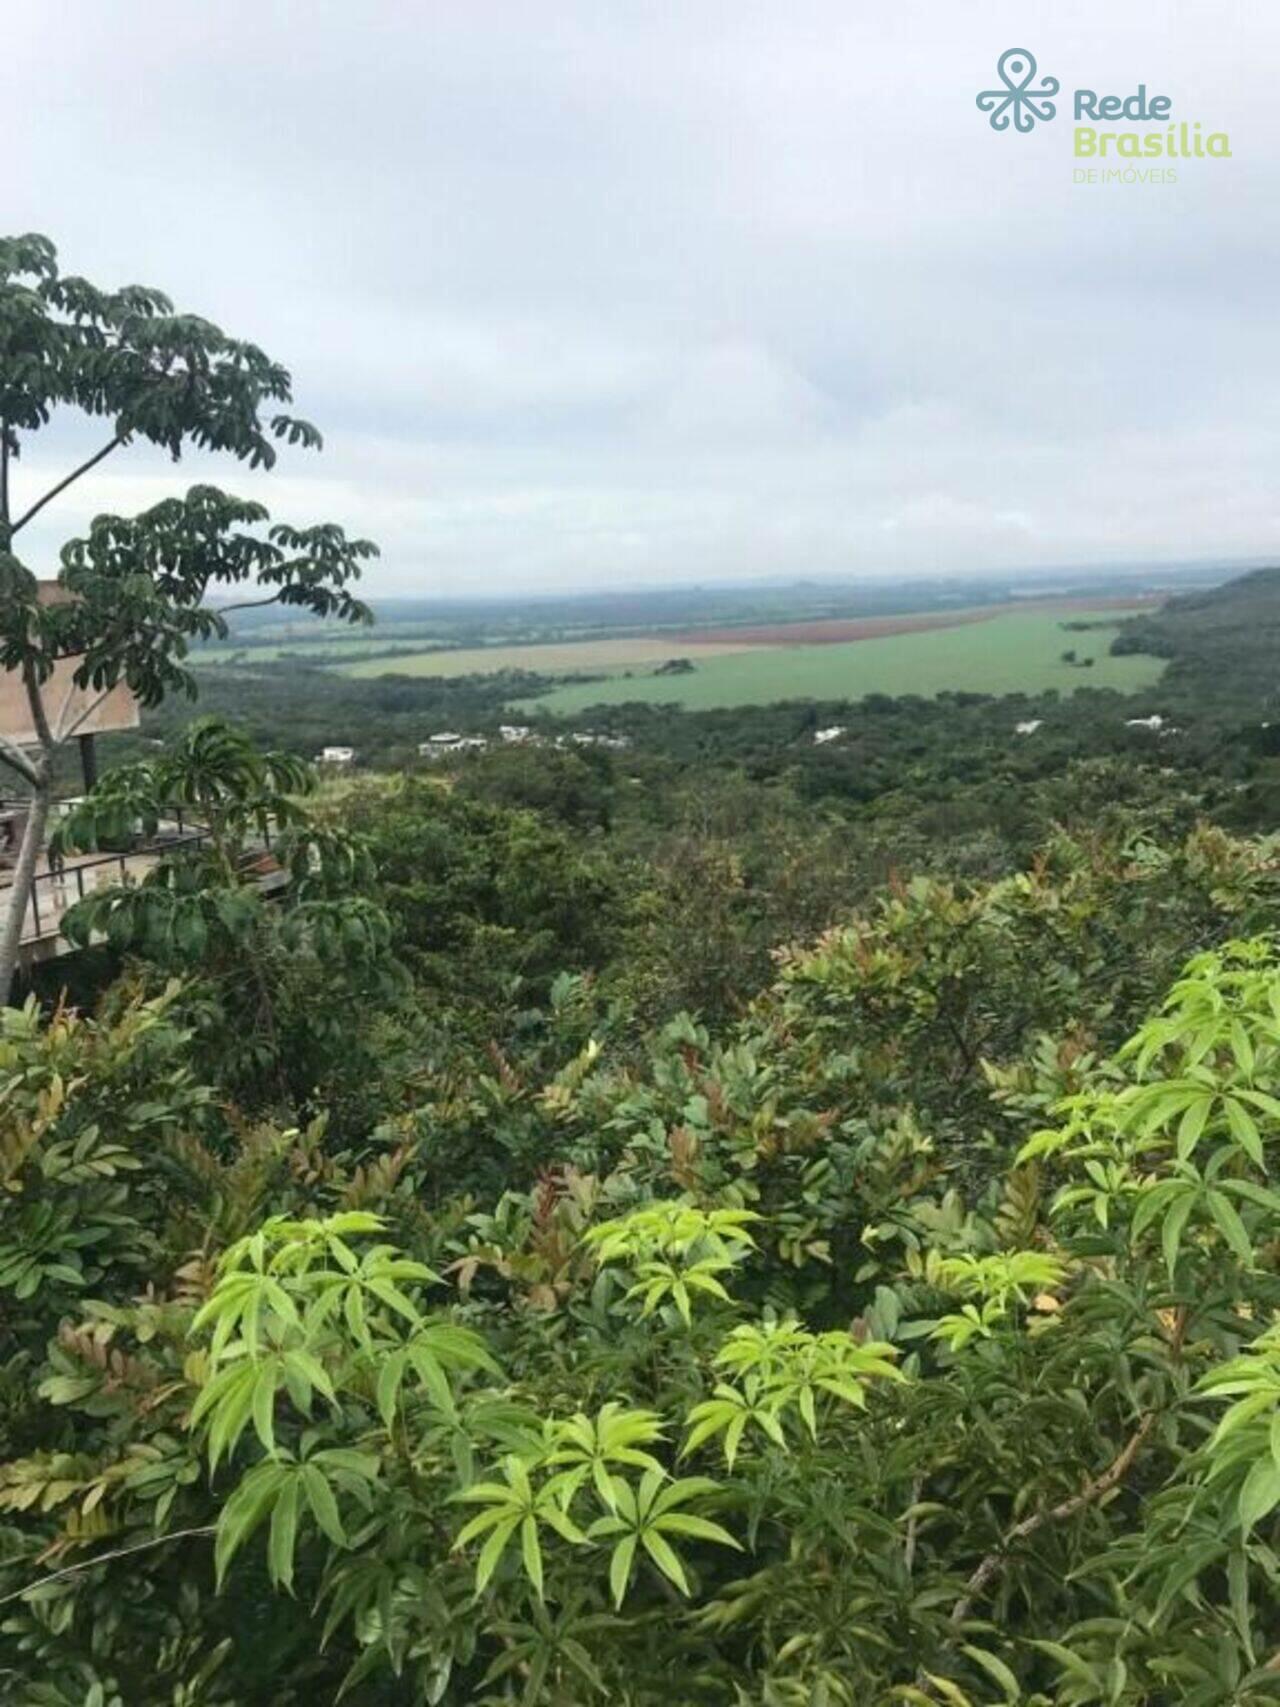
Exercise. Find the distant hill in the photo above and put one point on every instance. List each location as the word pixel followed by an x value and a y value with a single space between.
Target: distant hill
pixel 1223 644
pixel 1249 599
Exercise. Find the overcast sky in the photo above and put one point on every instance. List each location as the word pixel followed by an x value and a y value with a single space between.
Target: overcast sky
pixel 596 293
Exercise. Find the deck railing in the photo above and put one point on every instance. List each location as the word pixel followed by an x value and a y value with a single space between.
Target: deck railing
pixel 55 890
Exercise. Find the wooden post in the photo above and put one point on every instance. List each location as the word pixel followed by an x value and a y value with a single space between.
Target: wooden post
pixel 88 760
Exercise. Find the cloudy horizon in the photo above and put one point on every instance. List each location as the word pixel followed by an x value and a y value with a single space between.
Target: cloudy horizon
pixel 602 295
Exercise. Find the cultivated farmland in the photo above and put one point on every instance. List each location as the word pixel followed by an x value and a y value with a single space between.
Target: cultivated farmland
pixel 565 658
pixel 1006 653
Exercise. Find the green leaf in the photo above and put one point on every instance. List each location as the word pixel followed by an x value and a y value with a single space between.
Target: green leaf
pixel 493 1550
pixel 684 1523
pixel 1244 1130
pixel 311 1370
pixel 231 1407
pixel 948 1690
pixel 665 1558
pixel 1260 1493
pixel 242 1514
pixel 1152 1200
pixel 323 1505
pixel 1070 1662
pixel 433 1378
pixel 390 1375
pixel 482 1521
pixel 1171 1232
pixel 264 1406
pixel 284 1531
pixel 620 1567
pixel 996 1669
pixel 531 1553
pixel 1231 1226
pixel 1192 1125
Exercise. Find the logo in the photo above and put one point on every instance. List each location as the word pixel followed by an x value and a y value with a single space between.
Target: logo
pixel 1147 135
pixel 1016 69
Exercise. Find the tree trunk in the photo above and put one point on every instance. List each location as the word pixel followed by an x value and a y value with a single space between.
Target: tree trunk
pixel 24 872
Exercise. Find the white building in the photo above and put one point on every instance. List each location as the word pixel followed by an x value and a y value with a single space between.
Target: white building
pixel 1029 727
pixel 514 733
pixel 1154 722
pixel 588 738
pixel 822 736
pixel 448 743
pixel 336 756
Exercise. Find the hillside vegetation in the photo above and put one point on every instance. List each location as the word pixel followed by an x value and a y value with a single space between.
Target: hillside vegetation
pixel 695 1240
pixel 1225 642
pixel 774 1208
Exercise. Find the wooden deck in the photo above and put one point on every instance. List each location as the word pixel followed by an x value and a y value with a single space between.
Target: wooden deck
pixel 54 891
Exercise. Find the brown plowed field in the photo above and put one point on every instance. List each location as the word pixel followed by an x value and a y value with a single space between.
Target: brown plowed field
pixel 839 630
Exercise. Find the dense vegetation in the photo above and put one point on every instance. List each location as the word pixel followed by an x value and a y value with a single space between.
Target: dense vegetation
pixel 501 1251
pixel 1223 644
pixel 723 1220
pixel 390 1302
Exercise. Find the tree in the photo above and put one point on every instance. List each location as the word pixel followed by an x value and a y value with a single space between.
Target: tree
pixel 136 589
pixel 274 984
pixel 909 1338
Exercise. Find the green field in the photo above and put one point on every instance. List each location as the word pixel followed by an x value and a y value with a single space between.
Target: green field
pixel 1009 654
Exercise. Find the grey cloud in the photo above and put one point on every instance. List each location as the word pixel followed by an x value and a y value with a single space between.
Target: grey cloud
pixel 588 292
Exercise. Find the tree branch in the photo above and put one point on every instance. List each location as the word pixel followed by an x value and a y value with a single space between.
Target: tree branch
pixel 13 756
pixel 103 1558
pixel 994 1562
pixel 4 476
pixel 64 708
pixel 87 712
pixel 35 699
pixel 62 485
pixel 249 604
pixel 913 1525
